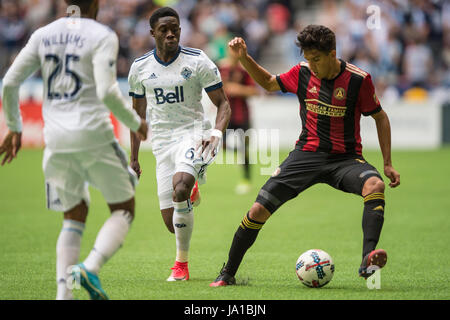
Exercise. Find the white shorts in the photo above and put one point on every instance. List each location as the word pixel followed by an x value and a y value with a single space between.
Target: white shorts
pixel 178 157
pixel 68 175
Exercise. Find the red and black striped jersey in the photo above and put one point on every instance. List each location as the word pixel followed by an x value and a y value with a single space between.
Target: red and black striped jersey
pixel 330 110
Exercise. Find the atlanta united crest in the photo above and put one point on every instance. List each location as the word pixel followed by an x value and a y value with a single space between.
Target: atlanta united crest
pixel 339 93
pixel 186 73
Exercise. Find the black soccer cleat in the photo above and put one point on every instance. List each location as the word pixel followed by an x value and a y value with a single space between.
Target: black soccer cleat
pixel 224 279
pixel 372 262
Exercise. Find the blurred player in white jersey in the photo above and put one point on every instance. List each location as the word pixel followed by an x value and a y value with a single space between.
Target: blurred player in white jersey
pixel 169 81
pixel 77 57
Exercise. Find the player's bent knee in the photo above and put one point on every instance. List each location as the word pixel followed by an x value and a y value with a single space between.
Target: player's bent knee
pixel 77 213
pixel 181 192
pixel 373 185
pixel 127 206
pixel 259 213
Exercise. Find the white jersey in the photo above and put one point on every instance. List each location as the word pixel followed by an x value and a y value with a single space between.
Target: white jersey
pixel 173 91
pixel 78 65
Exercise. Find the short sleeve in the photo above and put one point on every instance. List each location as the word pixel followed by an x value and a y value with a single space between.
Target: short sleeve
pixel 367 99
pixel 209 75
pixel 136 89
pixel 288 81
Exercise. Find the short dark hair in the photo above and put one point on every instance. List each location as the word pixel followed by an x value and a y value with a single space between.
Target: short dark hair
pixel 162 12
pixel 83 4
pixel 316 37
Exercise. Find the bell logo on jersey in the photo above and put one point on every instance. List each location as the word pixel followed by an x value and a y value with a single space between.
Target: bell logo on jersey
pixel 171 97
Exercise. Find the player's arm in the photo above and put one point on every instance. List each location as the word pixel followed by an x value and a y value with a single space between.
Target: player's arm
pixel 25 64
pixel 370 105
pixel 108 91
pixel 140 105
pixel 384 138
pixel 263 77
pixel 220 100
pixel 234 89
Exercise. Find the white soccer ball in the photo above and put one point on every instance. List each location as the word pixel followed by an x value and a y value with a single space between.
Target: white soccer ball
pixel 314 268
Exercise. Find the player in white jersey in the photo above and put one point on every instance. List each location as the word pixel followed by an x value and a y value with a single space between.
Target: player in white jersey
pixel 169 81
pixel 77 57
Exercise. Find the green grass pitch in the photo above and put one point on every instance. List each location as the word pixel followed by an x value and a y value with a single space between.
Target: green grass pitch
pixel 415 234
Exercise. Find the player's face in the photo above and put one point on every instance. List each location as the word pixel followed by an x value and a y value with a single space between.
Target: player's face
pixel 167 34
pixel 320 62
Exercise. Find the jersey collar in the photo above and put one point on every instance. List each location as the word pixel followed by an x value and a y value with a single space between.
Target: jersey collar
pixel 165 64
pixel 343 65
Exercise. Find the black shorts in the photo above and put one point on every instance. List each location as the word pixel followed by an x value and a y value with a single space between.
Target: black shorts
pixel 301 170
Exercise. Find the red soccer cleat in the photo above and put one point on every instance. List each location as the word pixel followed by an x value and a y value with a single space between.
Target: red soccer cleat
pixel 224 279
pixel 372 262
pixel 180 272
pixel 195 195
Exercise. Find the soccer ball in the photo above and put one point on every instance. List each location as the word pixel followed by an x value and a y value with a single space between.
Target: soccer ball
pixel 314 268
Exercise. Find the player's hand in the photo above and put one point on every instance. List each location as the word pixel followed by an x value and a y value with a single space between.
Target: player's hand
pixel 141 133
pixel 237 47
pixel 393 175
pixel 11 146
pixel 210 147
pixel 134 164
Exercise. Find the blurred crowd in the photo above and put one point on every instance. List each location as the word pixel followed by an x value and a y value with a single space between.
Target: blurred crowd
pixel 404 44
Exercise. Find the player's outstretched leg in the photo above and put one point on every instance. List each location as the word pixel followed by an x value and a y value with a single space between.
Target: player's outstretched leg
pixel 372 223
pixel 243 239
pixel 109 239
pixel 68 248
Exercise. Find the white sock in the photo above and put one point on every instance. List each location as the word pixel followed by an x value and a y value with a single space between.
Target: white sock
pixel 183 222
pixel 109 240
pixel 67 254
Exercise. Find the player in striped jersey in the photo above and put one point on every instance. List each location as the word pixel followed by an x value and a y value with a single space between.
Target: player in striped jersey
pixel 332 94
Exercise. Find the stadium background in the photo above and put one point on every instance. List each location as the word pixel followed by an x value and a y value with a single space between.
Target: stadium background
pixel 408 54
pixel 404 44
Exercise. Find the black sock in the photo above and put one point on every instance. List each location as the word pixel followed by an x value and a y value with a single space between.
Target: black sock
pixel 243 239
pixel 372 222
